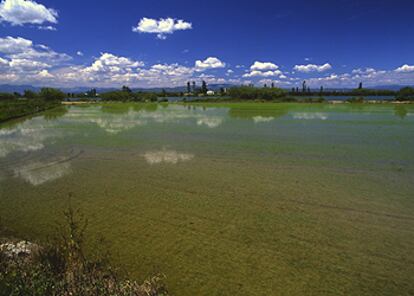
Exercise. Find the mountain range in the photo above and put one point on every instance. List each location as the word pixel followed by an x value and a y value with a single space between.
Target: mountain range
pixel 8 88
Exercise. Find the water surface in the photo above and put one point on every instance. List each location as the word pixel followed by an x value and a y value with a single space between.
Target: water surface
pixel 226 199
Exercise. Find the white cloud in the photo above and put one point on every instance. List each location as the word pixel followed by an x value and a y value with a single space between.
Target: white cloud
pixel 405 68
pixel 47 28
pixel 21 48
pixel 79 53
pixel 110 63
pixel 27 65
pixel 24 62
pixel 263 69
pixel 256 73
pixel 44 74
pixel 312 68
pixel 209 63
pixel 261 66
pixel 20 12
pixel 363 71
pixel 11 45
pixel 161 27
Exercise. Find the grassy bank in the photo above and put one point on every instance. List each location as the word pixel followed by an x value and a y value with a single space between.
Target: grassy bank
pixel 11 109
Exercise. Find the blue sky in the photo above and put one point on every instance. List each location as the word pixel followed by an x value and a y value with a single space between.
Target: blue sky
pixel 166 43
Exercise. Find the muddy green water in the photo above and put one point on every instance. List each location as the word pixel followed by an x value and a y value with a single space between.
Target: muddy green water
pixel 226 199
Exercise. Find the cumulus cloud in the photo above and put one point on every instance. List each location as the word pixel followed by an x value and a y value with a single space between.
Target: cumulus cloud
pixel 11 45
pixel 363 71
pixel 47 28
pixel 108 62
pixel 312 68
pixel 20 12
pixel 256 73
pixel 24 61
pixel 261 66
pixel 209 63
pixel 161 27
pixel 263 69
pixel 79 53
pixel 21 48
pixel 405 68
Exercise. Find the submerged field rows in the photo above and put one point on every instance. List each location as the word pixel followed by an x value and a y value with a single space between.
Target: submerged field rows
pixel 228 199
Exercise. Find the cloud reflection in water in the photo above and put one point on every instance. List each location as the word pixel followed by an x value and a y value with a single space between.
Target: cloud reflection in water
pixel 37 173
pixel 166 156
pixel 310 116
pixel 259 119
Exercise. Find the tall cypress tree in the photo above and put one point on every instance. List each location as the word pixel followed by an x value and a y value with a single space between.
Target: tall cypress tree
pixel 203 87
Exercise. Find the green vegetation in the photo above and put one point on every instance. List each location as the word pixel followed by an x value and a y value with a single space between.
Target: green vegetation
pixel 254 93
pixel 10 109
pixel 62 267
pixel 405 94
pixel 15 105
pixel 357 92
pixel 129 96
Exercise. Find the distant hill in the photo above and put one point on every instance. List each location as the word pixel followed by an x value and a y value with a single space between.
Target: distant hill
pixel 21 88
pixel 391 87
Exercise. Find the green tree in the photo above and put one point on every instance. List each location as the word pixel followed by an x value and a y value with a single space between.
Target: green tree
pixel 28 94
pixel 51 94
pixel 204 87
pixel 405 94
pixel 126 89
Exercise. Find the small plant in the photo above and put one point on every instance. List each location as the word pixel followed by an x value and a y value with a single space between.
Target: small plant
pixel 62 268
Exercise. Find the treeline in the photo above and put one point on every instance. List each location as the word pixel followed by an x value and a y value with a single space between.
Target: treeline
pixel 405 94
pixel 307 95
pixel 46 93
pixel 129 96
pixel 15 105
pixel 353 92
pixel 255 93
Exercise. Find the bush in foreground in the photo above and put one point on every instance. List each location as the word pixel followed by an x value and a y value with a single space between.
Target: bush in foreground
pixel 62 268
